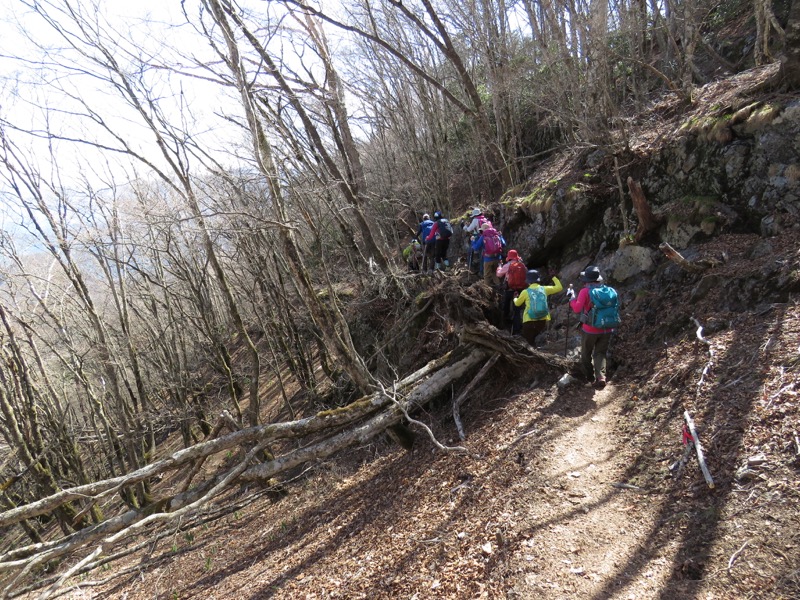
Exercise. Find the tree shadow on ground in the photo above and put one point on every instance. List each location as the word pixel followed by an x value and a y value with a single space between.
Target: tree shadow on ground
pixel 694 522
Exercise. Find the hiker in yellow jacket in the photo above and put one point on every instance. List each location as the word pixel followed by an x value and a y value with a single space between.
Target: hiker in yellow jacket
pixel 536 313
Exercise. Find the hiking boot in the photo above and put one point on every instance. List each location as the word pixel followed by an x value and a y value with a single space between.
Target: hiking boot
pixel 599 383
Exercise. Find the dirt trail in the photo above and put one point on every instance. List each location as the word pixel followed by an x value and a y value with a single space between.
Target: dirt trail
pixel 584 523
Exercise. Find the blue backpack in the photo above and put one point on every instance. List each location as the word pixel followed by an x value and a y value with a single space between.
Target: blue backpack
pixel 604 313
pixel 425 228
pixel 537 304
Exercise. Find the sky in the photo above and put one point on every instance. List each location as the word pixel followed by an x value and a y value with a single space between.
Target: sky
pixel 49 88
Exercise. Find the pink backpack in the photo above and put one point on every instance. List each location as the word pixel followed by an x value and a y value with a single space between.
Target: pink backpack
pixel 492 245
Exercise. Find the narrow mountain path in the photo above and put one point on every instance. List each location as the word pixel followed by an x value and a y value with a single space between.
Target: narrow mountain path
pixel 582 526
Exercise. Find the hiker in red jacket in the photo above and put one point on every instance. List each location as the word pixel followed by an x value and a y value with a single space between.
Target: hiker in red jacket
pixel 595 340
pixel 513 273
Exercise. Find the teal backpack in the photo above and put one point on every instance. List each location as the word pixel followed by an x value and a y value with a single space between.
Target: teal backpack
pixel 604 313
pixel 537 305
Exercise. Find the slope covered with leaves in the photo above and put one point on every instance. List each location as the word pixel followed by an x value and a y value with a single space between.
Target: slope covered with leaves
pixel 565 492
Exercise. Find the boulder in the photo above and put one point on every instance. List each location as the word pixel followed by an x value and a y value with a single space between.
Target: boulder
pixel 630 261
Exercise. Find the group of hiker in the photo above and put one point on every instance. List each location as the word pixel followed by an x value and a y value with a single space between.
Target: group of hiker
pixel 597 306
pixel 524 299
pixel 428 248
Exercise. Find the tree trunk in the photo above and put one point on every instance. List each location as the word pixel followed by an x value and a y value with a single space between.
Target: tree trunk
pixel 790 61
pixel 325 314
pixel 647 221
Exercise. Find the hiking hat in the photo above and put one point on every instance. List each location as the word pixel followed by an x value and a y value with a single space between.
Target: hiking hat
pixel 437 215
pixel 512 255
pixel 591 275
pixel 476 212
pixel 425 217
pixel 486 226
pixel 532 276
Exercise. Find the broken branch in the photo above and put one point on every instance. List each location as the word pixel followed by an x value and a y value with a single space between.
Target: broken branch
pixel 736 554
pixel 647 220
pixel 467 390
pixel 679 260
pixel 699 449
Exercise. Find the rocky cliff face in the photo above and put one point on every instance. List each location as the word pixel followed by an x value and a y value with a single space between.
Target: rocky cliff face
pixel 729 163
pixel 734 169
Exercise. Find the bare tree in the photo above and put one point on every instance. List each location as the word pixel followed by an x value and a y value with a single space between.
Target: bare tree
pixel 790 62
pixel 326 314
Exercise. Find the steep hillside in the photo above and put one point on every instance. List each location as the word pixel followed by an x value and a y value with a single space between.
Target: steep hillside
pixel 564 492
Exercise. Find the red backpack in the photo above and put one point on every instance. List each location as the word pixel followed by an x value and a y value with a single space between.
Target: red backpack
pixel 515 276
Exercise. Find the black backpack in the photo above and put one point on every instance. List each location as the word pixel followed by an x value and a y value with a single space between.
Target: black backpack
pixel 445 229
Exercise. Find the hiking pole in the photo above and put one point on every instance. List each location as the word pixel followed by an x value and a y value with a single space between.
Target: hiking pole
pixel 570 295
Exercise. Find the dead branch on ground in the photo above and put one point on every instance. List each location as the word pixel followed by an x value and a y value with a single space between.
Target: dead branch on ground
pixel 514 348
pixel 467 390
pixel 699 449
pixel 679 260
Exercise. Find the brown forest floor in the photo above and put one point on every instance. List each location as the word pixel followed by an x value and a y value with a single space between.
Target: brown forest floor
pixel 568 493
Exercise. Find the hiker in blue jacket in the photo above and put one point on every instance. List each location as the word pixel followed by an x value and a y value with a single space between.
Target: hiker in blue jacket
pixel 423 230
pixel 439 236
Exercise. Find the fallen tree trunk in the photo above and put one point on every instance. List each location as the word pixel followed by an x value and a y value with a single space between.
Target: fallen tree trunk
pixel 514 348
pixel 329 419
pixel 357 422
pixel 423 393
pixel 271 432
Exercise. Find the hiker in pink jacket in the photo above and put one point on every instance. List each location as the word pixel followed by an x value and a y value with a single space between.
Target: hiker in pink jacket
pixel 595 340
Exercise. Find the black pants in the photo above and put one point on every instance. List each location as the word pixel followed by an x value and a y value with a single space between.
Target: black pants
pixel 530 329
pixel 440 250
pixel 510 312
